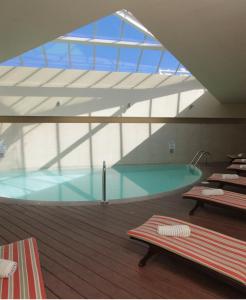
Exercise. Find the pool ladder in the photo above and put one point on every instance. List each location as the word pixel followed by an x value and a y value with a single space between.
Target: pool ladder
pixel 198 156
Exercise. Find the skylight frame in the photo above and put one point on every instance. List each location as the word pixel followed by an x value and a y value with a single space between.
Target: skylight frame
pixel 149 42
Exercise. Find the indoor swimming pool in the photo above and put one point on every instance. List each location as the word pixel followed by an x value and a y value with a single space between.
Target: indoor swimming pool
pixel 122 181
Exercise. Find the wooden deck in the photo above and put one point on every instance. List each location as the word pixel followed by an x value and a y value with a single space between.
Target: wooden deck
pixel 85 252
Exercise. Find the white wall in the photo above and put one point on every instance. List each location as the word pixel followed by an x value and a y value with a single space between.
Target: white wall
pixel 35 146
pixel 74 145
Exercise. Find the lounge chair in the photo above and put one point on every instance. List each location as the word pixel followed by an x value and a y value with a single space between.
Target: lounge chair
pixel 237 168
pixel 27 281
pixel 239 161
pixel 219 253
pixel 239 182
pixel 229 199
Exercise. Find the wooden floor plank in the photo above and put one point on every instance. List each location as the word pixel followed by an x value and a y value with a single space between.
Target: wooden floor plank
pixel 103 255
pixel 64 261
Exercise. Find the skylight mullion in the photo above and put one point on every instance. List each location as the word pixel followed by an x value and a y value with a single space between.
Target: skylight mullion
pixel 110 43
pixel 177 68
pixel 21 60
pixel 45 55
pixel 117 60
pixel 122 27
pixel 160 61
pixel 94 47
pixel 140 55
pixel 69 55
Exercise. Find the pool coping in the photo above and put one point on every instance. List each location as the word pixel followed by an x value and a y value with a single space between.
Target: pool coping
pixel 13 201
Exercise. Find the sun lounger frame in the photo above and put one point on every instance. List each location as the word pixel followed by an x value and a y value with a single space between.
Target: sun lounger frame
pixel 221 183
pixel 155 250
pixel 200 202
pixel 176 249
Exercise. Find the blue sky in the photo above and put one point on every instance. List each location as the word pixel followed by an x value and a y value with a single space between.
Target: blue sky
pixel 107 58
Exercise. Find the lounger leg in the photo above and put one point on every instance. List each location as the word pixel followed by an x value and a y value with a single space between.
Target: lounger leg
pixel 221 185
pixel 152 250
pixel 194 208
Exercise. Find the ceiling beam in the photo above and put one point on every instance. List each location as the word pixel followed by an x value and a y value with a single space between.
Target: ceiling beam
pixel 117 93
pixel 96 119
pixel 129 18
pixel 110 43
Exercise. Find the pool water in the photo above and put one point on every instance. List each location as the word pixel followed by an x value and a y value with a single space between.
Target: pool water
pixel 86 184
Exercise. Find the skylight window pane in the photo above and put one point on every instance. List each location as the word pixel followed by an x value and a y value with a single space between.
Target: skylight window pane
pixel 109 28
pixel 128 59
pixel 84 32
pixel 81 56
pixel 88 55
pixel 34 58
pixel 132 34
pixel 151 40
pixel 169 64
pixel 183 71
pixel 57 54
pixel 106 58
pixel 149 61
pixel 12 62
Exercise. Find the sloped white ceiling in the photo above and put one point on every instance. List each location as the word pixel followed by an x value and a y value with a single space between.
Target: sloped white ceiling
pixel 207 36
pixel 35 91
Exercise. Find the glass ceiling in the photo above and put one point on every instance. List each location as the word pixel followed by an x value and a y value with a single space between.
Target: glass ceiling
pixel 117 42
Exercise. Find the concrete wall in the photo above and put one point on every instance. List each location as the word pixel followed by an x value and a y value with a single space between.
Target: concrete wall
pixel 35 146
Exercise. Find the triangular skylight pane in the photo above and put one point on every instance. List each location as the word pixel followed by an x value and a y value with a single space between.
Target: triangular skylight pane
pixel 132 34
pixel 83 32
pixel 169 64
pixel 34 58
pixel 113 43
pixel 108 28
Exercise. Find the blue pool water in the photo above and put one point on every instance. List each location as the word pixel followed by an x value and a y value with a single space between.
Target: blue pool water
pixel 86 184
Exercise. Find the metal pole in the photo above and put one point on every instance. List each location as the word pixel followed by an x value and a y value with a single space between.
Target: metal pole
pixel 104 200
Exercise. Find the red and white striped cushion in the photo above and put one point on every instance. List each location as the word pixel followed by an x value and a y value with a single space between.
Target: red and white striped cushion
pixel 240 181
pixel 27 281
pixel 223 254
pixel 235 156
pixel 237 167
pixel 229 198
pixel 239 161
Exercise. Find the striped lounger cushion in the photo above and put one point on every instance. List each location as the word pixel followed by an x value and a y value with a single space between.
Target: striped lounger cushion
pixel 216 251
pixel 27 281
pixel 241 181
pixel 235 156
pixel 239 161
pixel 229 198
pixel 236 167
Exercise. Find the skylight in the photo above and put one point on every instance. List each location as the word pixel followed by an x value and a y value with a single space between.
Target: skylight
pixel 115 43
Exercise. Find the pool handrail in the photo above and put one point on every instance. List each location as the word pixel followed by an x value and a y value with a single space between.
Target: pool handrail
pixel 104 178
pixel 198 156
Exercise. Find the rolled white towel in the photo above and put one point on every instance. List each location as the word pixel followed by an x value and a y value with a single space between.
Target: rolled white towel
pixel 212 192
pixel 240 155
pixel 179 230
pixel 7 268
pixel 242 166
pixel 230 176
pixel 243 160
